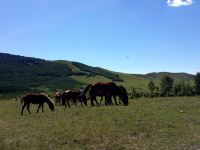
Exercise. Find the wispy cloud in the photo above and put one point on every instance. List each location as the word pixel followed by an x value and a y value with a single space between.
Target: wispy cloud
pixel 177 3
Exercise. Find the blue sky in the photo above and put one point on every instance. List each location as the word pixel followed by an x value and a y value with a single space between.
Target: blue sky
pixel 128 36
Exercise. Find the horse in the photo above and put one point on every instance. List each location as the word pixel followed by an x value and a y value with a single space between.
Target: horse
pixel 82 98
pixel 108 101
pixel 108 90
pixel 36 98
pixel 75 96
pixel 58 98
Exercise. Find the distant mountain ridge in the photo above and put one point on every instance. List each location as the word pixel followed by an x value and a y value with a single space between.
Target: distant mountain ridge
pixel 19 73
pixel 183 76
pixel 158 75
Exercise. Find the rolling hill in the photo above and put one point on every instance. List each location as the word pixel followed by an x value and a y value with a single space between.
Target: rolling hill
pixel 19 74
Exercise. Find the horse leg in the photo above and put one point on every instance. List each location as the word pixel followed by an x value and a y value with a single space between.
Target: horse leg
pixel 115 100
pixel 28 105
pixel 39 107
pixel 84 100
pixel 23 108
pixel 92 103
pixel 77 101
pixel 42 107
pixel 64 103
pixel 101 100
pixel 67 103
pixel 120 100
pixel 59 101
pixel 111 102
pixel 108 100
pixel 96 101
pixel 81 100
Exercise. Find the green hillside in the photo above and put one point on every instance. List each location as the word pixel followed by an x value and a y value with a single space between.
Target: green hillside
pixel 19 74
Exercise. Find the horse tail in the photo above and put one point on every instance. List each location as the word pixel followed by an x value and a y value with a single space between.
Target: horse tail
pixel 86 89
pixel 22 100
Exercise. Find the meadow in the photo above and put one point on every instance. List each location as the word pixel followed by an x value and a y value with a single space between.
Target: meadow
pixel 157 123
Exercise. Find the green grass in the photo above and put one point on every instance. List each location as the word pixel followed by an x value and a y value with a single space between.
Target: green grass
pixel 160 123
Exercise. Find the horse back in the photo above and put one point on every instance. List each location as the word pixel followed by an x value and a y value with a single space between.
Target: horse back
pixel 34 98
pixel 102 89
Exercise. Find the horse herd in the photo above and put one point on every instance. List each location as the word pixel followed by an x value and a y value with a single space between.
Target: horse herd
pixel 103 90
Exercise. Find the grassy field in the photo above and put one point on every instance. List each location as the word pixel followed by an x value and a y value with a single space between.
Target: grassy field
pixel 160 123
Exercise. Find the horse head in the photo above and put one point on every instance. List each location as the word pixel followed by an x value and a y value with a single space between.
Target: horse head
pixel 124 95
pixel 49 102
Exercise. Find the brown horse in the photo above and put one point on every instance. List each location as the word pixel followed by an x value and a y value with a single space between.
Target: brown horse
pixel 74 96
pixel 108 90
pixel 58 98
pixel 36 98
pixel 108 101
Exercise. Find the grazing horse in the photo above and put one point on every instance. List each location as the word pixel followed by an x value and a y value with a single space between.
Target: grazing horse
pixel 108 90
pixel 58 98
pixel 36 98
pixel 75 96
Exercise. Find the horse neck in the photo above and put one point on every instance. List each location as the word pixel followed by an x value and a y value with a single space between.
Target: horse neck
pixel 120 92
pixel 48 101
pixel 86 89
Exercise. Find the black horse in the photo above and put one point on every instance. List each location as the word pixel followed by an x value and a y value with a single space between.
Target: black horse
pixel 36 98
pixel 74 96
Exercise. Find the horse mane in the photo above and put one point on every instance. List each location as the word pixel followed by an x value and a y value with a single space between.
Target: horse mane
pixel 48 100
pixel 86 89
pixel 123 89
pixel 47 97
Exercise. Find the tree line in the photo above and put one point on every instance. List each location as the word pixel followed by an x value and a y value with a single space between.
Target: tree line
pixel 169 87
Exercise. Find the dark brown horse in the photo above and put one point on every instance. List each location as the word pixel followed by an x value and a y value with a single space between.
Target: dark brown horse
pixel 108 90
pixel 109 100
pixel 36 98
pixel 74 96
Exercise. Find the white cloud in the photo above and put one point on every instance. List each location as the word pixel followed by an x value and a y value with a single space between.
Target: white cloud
pixel 177 3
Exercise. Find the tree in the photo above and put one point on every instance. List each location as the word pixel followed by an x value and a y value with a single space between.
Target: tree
pixel 197 83
pixel 166 85
pixel 134 93
pixel 190 90
pixel 151 86
pixel 180 88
